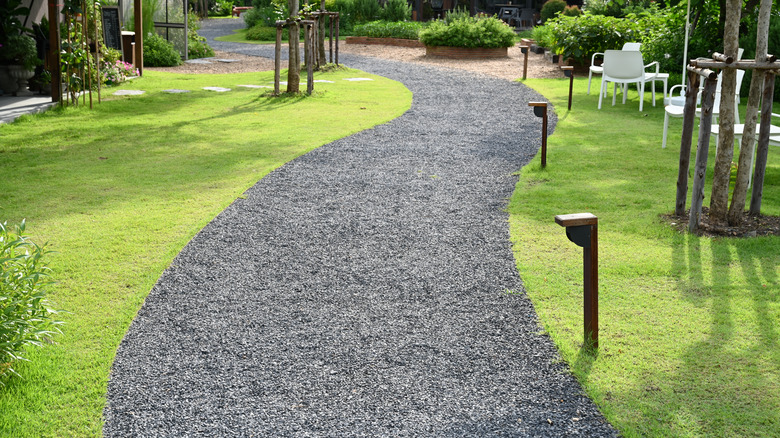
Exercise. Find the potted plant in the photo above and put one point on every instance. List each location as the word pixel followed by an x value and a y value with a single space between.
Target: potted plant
pixel 21 56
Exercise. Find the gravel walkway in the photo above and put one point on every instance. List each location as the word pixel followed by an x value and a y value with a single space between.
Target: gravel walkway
pixel 367 288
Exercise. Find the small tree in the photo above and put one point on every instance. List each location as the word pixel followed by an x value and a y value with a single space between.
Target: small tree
pixel 294 62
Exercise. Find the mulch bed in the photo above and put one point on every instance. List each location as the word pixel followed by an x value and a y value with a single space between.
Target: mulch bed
pixel 751 226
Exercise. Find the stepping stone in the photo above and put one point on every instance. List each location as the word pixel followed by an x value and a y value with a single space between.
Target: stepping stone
pixel 227 60
pixel 175 91
pixel 217 89
pixel 197 61
pixel 253 86
pixel 357 79
pixel 128 92
pixel 324 81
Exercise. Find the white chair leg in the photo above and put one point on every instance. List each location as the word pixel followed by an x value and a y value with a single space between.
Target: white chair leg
pixel 666 129
pixel 641 95
pixel 653 93
pixel 590 77
pixel 601 92
pixel 614 92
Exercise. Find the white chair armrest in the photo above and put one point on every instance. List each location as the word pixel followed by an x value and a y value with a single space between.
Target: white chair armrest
pixel 593 58
pixel 674 87
pixel 657 66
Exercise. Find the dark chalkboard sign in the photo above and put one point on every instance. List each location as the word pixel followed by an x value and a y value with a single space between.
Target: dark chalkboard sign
pixel 112 33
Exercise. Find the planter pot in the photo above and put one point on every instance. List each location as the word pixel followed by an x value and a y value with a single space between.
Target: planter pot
pixel 465 52
pixel 7 84
pixel 21 75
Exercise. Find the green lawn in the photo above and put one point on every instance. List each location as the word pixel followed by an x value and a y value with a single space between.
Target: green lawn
pixel 120 189
pixel 689 326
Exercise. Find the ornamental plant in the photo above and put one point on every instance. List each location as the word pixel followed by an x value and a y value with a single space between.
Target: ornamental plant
pixel 469 32
pixel 25 315
pixel 580 37
pixel 384 29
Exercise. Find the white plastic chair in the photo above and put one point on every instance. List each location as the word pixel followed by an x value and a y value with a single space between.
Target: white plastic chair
pixel 599 69
pixel 676 111
pixel 624 68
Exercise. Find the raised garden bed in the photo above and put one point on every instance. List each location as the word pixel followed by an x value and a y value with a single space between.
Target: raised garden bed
pixel 384 41
pixel 465 52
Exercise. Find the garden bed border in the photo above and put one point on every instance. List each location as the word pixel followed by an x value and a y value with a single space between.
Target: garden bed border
pixel 399 42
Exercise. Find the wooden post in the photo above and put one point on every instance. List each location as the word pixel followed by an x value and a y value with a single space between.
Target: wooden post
pixel 337 37
pixel 139 37
pixel 582 229
pixel 330 39
pixel 85 43
pixel 705 127
pixel 524 51
pixel 689 116
pixel 568 71
pixel 540 110
pixel 278 57
pixel 763 143
pixel 54 52
pixel 309 54
pixel 97 48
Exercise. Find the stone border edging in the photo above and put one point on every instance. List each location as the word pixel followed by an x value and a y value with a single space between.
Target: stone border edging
pixel 400 42
pixel 466 52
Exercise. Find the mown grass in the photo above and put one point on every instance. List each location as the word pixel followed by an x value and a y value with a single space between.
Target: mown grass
pixel 120 189
pixel 689 326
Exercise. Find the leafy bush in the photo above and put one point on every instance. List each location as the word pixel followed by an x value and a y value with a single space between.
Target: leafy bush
pixel 580 37
pixel 543 35
pixel 383 29
pixel 25 316
pixel 365 10
pixel 158 52
pixel 265 33
pixel 551 9
pixel 571 11
pixel 396 10
pixel 222 8
pixel 489 32
pixel 197 47
pixel 263 16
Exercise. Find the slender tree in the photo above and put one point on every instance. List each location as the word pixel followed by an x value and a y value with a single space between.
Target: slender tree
pixel 720 180
pixel 294 63
pixel 738 199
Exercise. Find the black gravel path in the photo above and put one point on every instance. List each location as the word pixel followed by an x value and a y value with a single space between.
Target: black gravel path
pixel 367 288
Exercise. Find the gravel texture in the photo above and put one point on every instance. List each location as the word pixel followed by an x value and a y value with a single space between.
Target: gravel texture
pixel 367 288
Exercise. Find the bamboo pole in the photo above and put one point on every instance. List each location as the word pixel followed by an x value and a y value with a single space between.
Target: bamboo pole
pixel 97 50
pixel 705 128
pixel 763 144
pixel 689 117
pixel 277 58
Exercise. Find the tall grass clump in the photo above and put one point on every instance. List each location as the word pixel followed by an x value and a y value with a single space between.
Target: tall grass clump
pixel 25 315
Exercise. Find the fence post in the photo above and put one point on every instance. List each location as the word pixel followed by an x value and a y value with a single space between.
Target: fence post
pixel 540 110
pixel 568 71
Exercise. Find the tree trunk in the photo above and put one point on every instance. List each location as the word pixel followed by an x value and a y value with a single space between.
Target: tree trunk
pixel 737 208
pixel 321 57
pixel 294 62
pixel 719 199
pixel 702 152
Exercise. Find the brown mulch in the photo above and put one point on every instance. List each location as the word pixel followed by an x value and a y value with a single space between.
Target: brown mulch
pixel 751 226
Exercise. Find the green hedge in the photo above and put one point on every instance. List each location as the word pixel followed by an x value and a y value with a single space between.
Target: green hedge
pixel 469 32
pixel 265 33
pixel 384 29
pixel 158 52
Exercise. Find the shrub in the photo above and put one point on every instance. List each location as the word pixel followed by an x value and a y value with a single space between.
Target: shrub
pixel 263 16
pixel 489 32
pixel 265 33
pixel 365 10
pixel 572 11
pixel 158 52
pixel 383 29
pixel 197 47
pixel 580 37
pixel 551 9
pixel 25 316
pixel 543 35
pixel 396 10
pixel 222 8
